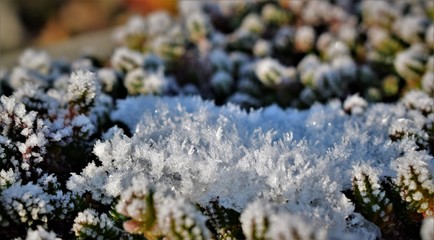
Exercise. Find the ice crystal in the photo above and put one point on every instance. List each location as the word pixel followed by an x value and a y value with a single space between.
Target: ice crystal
pixel 216 145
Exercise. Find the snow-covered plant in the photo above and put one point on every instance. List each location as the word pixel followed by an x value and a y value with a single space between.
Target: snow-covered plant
pixel 23 136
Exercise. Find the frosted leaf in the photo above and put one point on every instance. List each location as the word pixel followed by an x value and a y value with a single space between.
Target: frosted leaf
pixel 41 234
pixel 427 229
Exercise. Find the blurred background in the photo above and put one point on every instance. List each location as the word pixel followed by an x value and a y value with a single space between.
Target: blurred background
pixel 44 23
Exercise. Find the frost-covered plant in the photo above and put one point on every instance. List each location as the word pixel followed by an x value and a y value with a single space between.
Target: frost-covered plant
pixel 372 201
pixel 65 154
pixel 415 182
pixel 138 203
pixel 91 225
pixel 161 217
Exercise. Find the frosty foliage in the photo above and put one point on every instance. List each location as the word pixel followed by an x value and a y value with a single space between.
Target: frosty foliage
pixel 201 151
pixel 91 225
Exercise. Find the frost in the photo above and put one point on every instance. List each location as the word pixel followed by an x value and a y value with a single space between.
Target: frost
pixel 271 154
